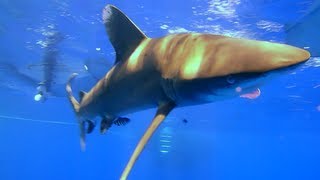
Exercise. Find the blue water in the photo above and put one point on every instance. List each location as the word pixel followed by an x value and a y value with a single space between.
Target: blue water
pixel 276 136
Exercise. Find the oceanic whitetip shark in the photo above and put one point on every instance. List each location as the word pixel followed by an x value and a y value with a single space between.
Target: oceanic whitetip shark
pixel 302 33
pixel 173 71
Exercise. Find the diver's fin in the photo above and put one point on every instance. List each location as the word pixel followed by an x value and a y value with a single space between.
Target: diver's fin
pixel 124 35
pixel 121 121
pixel 81 95
pixel 105 124
pixel 90 126
pixel 162 112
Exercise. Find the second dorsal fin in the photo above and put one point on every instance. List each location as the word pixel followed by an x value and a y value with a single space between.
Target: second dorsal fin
pixel 124 35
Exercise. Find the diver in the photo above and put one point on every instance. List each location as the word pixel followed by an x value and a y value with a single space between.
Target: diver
pixel 42 94
pixel 49 64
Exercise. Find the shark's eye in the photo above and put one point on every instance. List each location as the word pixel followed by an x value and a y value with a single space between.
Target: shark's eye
pixel 231 79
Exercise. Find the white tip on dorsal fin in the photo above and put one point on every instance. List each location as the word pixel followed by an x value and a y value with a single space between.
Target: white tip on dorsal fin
pixel 124 35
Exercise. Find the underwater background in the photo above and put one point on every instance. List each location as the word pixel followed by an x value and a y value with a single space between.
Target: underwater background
pixel 276 136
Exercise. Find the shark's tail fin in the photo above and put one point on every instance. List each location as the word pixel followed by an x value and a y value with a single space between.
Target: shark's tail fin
pixel 75 104
pixel 71 98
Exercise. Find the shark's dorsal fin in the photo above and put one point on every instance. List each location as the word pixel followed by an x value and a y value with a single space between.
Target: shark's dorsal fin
pixel 81 95
pixel 124 35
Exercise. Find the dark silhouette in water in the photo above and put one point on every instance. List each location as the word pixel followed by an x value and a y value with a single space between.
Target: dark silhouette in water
pixel 49 64
pixel 185 121
pixel 106 123
pixel 303 32
pixel 14 80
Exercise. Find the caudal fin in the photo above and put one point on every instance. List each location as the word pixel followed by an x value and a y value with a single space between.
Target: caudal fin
pixel 75 104
pixel 71 98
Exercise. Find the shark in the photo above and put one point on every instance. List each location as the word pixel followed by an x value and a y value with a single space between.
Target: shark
pixel 302 33
pixel 173 71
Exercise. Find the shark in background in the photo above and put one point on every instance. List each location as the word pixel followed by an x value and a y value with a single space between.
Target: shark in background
pixel 42 80
pixel 26 79
pixel 174 71
pixel 12 79
pixel 305 32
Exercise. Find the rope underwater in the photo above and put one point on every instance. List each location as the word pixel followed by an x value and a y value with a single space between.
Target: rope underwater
pixel 36 120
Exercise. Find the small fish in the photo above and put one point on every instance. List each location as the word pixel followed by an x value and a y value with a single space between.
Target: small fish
pixel 120 121
pixel 107 122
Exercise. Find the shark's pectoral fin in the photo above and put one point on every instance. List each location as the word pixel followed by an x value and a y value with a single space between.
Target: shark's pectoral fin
pixel 162 112
pixel 121 121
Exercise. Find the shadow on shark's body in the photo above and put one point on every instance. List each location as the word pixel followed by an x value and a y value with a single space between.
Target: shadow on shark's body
pixel 174 71
pixel 15 80
pixel 12 79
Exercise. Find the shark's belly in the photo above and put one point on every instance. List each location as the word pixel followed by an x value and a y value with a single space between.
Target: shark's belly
pixel 199 91
pixel 185 93
pixel 118 104
pixel 131 95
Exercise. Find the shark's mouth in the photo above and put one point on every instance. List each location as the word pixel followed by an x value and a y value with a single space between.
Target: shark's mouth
pixel 251 95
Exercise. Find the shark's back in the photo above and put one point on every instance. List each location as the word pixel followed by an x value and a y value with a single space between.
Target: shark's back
pixel 192 56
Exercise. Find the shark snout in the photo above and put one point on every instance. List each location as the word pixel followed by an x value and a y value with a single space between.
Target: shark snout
pixel 282 55
pixel 300 55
